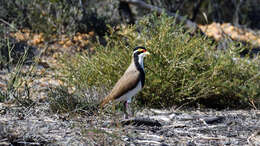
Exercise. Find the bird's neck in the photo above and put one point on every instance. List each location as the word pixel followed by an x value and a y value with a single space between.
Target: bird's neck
pixel 139 62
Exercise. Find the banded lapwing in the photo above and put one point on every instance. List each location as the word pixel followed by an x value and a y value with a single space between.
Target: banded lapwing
pixel 131 82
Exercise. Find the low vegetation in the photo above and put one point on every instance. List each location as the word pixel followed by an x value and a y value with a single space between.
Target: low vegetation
pixel 15 55
pixel 183 69
pixel 62 101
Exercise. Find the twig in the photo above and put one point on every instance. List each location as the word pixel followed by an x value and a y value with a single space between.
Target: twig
pixel 251 136
pixel 3 140
pixel 252 103
pixel 10 25
pixel 187 103
pixel 211 138
pixel 205 128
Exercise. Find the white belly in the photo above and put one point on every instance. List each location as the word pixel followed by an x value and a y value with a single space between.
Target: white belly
pixel 131 93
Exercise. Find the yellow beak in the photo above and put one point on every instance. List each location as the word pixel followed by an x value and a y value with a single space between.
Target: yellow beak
pixel 147 53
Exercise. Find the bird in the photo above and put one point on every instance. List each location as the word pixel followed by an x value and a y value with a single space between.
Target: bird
pixel 131 82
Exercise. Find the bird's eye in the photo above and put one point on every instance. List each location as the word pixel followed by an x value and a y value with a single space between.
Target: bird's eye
pixel 141 50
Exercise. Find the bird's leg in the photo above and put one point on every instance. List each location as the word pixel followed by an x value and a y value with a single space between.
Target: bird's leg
pixel 129 110
pixel 125 109
pixel 114 108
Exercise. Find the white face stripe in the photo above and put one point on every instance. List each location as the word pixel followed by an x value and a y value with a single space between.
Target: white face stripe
pixel 136 51
pixel 146 52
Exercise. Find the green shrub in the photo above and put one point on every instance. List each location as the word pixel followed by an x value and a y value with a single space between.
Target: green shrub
pixel 181 69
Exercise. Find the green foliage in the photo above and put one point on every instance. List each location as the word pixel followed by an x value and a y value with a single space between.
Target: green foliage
pixel 181 69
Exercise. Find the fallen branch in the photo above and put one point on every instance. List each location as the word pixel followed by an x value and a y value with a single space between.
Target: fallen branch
pixel 141 122
pixel 189 24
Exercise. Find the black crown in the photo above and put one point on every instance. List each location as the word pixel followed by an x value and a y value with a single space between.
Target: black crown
pixel 139 47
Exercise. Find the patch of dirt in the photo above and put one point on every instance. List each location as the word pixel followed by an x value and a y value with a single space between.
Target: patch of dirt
pixel 219 31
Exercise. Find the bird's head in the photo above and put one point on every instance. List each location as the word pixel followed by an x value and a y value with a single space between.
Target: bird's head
pixel 140 51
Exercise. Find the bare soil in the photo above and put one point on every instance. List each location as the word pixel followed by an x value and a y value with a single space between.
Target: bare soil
pixel 37 125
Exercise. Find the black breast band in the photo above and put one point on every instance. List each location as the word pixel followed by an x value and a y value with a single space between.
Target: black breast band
pixel 139 68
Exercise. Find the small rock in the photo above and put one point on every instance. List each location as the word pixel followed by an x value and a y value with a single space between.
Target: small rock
pixel 160 112
pixel 161 118
pixel 185 117
pixel 151 137
pixel 213 120
pixel 171 116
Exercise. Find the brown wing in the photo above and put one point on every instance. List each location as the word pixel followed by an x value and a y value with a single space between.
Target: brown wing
pixel 127 82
